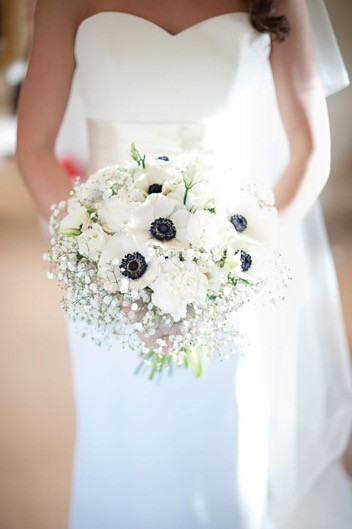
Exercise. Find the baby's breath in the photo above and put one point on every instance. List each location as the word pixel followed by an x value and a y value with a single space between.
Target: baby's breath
pixel 109 301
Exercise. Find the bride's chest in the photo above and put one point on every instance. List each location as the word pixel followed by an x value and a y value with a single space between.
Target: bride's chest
pixel 131 66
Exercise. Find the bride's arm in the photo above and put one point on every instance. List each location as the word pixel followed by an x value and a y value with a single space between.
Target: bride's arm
pixel 304 115
pixel 43 101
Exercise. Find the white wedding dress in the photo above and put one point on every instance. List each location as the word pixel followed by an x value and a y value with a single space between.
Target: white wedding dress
pixel 257 442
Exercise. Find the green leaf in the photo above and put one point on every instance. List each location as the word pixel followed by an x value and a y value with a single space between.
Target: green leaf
pixel 196 363
pixel 192 359
pixel 245 281
pixel 135 152
pixel 70 232
pixel 136 155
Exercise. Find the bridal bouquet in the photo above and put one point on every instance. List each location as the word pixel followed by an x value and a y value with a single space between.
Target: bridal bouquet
pixel 164 253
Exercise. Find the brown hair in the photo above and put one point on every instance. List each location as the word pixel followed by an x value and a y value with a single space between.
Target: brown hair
pixel 264 19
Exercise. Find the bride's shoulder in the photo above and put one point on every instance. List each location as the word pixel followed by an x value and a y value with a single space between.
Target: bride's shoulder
pixel 87 8
pixel 62 13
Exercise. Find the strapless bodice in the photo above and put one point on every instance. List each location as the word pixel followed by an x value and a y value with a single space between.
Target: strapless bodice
pixel 155 76
pixel 199 89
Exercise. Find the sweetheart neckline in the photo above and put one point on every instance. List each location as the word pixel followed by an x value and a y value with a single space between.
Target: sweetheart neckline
pixel 203 22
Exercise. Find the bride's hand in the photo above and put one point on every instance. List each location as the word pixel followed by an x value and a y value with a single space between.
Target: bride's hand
pixel 287 217
pixel 161 333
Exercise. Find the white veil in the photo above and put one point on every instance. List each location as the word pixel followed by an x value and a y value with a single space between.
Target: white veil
pixel 328 57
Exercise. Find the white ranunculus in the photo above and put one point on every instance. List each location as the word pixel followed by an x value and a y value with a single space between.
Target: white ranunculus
pixel 254 223
pixel 77 217
pixel 157 206
pixel 92 241
pixel 176 287
pixel 118 247
pixel 205 230
pixel 114 213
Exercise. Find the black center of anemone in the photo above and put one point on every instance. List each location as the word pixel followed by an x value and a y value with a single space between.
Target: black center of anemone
pixel 165 158
pixel 246 261
pixel 163 229
pixel 239 222
pixel 133 265
pixel 154 188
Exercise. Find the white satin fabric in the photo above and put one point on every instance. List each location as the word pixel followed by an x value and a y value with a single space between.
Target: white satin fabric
pixel 210 87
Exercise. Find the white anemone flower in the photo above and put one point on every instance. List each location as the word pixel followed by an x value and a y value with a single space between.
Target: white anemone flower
pixel 152 178
pixel 114 213
pixel 252 223
pixel 126 263
pixel 160 220
pixel 177 287
pixel 248 261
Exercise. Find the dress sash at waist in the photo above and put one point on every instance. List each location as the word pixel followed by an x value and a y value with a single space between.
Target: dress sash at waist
pixel 110 141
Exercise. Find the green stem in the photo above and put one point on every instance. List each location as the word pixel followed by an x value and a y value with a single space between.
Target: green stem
pixel 185 195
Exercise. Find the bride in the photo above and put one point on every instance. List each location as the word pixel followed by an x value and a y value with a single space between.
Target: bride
pixel 258 442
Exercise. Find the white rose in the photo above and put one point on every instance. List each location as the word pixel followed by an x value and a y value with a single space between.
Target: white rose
pixel 92 241
pixel 216 277
pixel 176 287
pixel 76 219
pixel 205 230
pixel 114 213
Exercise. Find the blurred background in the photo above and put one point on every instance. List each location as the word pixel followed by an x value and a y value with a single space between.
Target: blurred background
pixel 36 401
